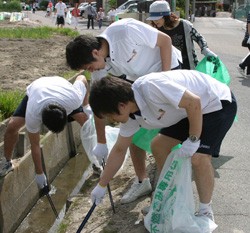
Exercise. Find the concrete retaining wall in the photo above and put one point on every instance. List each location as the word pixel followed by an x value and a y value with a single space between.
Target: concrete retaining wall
pixel 18 189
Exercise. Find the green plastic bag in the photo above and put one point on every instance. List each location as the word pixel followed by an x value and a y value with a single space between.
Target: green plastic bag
pixel 214 67
pixel 143 138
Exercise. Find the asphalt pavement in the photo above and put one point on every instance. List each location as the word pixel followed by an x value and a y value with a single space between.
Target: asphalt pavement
pixel 231 199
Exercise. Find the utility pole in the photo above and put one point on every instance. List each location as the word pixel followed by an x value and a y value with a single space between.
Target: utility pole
pixel 187 9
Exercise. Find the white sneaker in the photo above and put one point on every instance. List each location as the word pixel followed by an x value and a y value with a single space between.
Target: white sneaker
pixel 241 71
pixel 210 215
pixel 6 167
pixel 137 190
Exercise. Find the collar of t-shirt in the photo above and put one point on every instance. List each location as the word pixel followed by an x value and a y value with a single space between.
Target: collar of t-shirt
pixel 132 115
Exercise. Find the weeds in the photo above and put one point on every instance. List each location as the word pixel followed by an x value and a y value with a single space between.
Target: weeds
pixel 9 100
pixel 35 33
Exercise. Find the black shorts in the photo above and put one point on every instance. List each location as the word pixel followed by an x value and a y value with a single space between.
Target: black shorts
pixel 60 20
pixel 21 110
pixel 214 128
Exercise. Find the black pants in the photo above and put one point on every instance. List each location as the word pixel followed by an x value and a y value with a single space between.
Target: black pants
pixel 246 63
pixel 90 18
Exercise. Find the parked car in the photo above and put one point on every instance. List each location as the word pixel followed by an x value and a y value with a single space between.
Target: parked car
pixel 241 11
pixel 125 5
pixel 130 12
pixel 84 6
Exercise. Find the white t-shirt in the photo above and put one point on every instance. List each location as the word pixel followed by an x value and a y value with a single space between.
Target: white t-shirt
pixel 132 49
pixel 159 94
pixel 60 8
pixel 49 90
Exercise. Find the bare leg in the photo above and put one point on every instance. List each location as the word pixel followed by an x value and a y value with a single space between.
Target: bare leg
pixel 11 135
pixel 204 176
pixel 138 157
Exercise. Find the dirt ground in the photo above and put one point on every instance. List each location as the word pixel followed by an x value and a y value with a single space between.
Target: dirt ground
pixel 24 60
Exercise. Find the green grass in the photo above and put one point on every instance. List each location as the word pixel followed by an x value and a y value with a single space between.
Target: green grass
pixel 36 32
pixel 9 100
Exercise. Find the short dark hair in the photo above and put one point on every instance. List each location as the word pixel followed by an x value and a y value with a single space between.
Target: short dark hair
pixel 107 93
pixel 79 51
pixel 54 117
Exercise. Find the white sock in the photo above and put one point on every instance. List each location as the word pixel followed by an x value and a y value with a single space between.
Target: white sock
pixel 205 207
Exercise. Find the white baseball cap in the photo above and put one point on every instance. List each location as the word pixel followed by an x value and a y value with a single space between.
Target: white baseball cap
pixel 158 9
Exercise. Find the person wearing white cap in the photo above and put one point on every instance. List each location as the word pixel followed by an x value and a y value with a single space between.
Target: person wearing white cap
pixel 181 31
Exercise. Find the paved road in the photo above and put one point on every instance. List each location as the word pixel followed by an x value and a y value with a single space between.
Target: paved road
pixel 231 201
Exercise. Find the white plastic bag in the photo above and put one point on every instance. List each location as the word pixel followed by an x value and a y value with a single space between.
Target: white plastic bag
pixel 89 139
pixel 172 209
pixel 68 18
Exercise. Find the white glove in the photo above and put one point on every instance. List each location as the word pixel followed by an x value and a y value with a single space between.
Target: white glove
pixel 188 148
pixel 98 194
pixel 208 53
pixel 100 151
pixel 41 180
pixel 248 41
pixel 87 110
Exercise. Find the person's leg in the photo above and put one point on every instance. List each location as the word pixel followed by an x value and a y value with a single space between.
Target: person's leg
pixel 88 24
pixel 138 157
pixel 11 135
pixel 203 176
pixel 247 62
pixel 92 22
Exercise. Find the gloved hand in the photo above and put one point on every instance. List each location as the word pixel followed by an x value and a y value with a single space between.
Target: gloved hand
pixel 248 41
pixel 208 53
pixel 41 180
pixel 87 110
pixel 100 151
pixel 98 194
pixel 188 148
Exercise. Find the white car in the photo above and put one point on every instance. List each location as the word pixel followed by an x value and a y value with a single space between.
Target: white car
pixel 83 6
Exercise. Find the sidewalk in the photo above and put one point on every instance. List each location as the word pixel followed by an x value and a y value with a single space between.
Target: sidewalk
pixel 39 17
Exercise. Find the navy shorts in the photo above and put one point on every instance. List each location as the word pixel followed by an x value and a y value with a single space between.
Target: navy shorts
pixel 214 128
pixel 60 20
pixel 21 109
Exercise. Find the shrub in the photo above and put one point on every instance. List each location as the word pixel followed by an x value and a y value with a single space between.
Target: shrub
pixel 10 6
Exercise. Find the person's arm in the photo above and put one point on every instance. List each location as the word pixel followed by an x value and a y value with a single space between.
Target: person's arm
pixel 192 104
pixel 164 42
pixel 115 159
pixel 36 151
pixel 100 130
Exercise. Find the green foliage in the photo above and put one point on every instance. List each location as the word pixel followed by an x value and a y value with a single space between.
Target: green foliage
pixel 10 6
pixel 9 100
pixel 43 4
pixel 180 4
pixel 182 12
pixel 112 3
pixel 36 33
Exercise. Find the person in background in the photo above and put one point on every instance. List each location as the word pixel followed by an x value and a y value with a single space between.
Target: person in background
pixel 52 101
pixel 100 17
pixel 244 66
pixel 49 9
pixel 181 31
pixel 188 106
pixel 60 11
pixel 129 47
pixel 91 13
pixel 75 16
pixel 112 14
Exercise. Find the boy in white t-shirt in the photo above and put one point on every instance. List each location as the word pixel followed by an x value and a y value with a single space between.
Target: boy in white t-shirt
pixel 188 107
pixel 127 47
pixel 60 11
pixel 52 101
